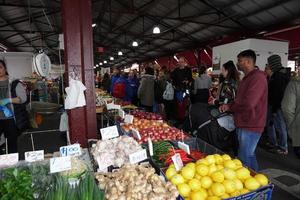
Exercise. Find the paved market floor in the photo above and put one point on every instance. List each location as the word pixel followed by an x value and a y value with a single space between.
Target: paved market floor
pixel 284 172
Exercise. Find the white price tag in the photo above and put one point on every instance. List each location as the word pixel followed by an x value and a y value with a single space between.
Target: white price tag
pixel 59 164
pixel 109 132
pixel 138 156
pixel 128 119
pixel 121 113
pixel 184 147
pixel 70 150
pixel 9 159
pixel 177 161
pixel 103 165
pixel 136 134
pixel 33 156
pixel 112 106
pixel 150 146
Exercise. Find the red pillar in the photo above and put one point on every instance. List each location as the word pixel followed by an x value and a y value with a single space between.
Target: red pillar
pixel 78 43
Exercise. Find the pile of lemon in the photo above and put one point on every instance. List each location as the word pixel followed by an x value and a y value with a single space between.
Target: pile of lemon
pixel 214 177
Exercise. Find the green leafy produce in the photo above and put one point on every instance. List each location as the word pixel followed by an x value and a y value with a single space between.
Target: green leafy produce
pixel 159 149
pixel 15 184
pixel 88 189
pixel 59 190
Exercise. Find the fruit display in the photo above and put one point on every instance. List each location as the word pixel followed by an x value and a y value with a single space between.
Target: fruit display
pixel 115 151
pixel 214 177
pixel 146 115
pixel 139 124
pixel 135 182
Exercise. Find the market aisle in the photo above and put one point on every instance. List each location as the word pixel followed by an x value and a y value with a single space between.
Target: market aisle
pixel 279 166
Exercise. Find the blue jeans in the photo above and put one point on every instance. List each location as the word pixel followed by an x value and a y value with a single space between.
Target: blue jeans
pixel 277 123
pixel 247 144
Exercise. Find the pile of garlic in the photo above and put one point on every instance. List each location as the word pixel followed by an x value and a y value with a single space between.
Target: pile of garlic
pixel 135 182
pixel 114 151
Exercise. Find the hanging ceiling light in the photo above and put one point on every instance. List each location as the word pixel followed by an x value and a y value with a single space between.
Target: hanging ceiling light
pixel 175 57
pixel 135 44
pixel 111 58
pixel 100 63
pixel 94 67
pixel 120 53
pixel 94 25
pixel 156 30
pixel 104 61
pixel 97 65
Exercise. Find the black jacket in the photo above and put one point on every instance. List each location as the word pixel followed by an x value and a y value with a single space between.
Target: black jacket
pixel 277 84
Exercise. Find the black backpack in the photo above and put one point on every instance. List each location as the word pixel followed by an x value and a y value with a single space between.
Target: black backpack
pixel 20 111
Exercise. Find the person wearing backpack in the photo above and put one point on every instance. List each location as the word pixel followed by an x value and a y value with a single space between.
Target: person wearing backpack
pixel 278 81
pixel 122 89
pixel 146 89
pixel 114 78
pixel 12 98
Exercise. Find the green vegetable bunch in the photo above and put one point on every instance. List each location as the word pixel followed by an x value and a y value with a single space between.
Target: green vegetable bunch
pixel 16 184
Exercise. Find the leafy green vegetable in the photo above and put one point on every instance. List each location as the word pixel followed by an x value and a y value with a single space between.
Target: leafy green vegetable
pixel 15 184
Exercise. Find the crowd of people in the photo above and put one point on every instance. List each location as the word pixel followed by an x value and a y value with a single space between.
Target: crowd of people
pixel 261 102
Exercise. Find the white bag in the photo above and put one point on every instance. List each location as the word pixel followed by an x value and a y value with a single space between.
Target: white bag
pixel 169 92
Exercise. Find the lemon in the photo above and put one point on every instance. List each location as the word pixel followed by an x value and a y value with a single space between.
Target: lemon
pixel 230 186
pixel 206 182
pixel 244 191
pixel 192 165
pixel 229 174
pixel 262 179
pixel 177 179
pixel 242 173
pixel 202 170
pixel 212 169
pixel 204 192
pixel 230 164
pixel 202 161
pixel 213 198
pixel 234 194
pixel 197 176
pixel 198 195
pixel 172 166
pixel 225 196
pixel 194 184
pixel 170 172
pixel 226 157
pixel 218 159
pixel 187 172
pixel 219 167
pixel 218 177
pixel 218 189
pixel 239 185
pixel 184 189
pixel 237 162
pixel 251 183
pixel 210 159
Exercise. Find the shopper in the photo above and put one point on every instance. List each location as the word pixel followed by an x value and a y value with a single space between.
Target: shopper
pixel 134 85
pixel 114 77
pixel 227 89
pixel 106 82
pixel 278 81
pixel 249 108
pixel 8 98
pixel 182 81
pixel 146 89
pixel 291 111
pixel 201 86
pixel 121 88
pixel 160 86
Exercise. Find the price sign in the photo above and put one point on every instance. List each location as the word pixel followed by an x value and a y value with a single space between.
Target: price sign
pixel 33 156
pixel 109 132
pixel 177 161
pixel 136 134
pixel 138 156
pixel 70 150
pixel 9 159
pixel 121 113
pixel 103 165
pixel 128 119
pixel 112 106
pixel 184 147
pixel 59 164
pixel 150 146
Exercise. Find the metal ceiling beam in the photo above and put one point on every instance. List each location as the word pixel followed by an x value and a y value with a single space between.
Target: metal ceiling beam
pixel 35 38
pixel 5 4
pixel 24 18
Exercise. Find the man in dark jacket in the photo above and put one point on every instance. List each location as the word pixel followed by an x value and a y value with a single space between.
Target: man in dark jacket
pixel 249 108
pixel 278 81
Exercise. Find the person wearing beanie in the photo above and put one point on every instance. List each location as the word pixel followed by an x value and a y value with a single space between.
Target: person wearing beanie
pixel 278 81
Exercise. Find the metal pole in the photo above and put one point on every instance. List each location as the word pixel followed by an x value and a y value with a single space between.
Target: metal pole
pixel 32 142
pixel 6 146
